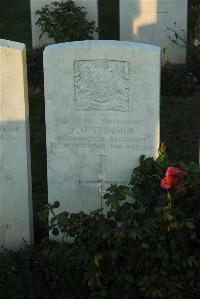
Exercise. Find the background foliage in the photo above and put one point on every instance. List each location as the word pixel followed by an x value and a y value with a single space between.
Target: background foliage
pixel 64 21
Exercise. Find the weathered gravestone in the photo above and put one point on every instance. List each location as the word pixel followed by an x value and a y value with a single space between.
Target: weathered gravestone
pixel 102 113
pixel 147 21
pixel 15 176
pixel 89 5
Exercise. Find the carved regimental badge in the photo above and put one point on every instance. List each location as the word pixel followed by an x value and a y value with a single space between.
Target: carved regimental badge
pixel 101 85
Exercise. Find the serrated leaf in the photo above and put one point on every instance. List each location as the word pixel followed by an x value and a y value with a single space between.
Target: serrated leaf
pixel 133 235
pixel 190 225
pixel 55 205
pixel 55 231
pixel 145 245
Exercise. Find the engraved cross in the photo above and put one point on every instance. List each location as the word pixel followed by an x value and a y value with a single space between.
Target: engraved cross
pixel 101 180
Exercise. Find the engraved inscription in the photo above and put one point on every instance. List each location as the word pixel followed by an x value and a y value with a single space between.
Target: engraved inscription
pixel 101 85
pixel 8 131
pixel 116 134
pixel 5 227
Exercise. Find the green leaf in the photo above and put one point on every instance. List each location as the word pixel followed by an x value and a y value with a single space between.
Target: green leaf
pixel 114 254
pixel 141 159
pixel 106 235
pixel 190 261
pixel 115 204
pixel 190 225
pixel 162 237
pixel 158 210
pixel 127 277
pixel 133 235
pixel 169 217
pixel 107 196
pixel 145 245
pixel 55 231
pixel 53 220
pixel 55 205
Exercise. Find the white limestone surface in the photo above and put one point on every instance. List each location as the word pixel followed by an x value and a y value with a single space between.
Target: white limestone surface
pixel 102 113
pixel 15 173
pixel 147 21
pixel 91 7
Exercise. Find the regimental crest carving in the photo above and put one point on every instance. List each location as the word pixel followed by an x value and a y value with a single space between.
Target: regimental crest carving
pixel 101 85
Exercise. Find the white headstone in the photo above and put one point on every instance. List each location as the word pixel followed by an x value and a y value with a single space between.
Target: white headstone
pixel 91 7
pixel 147 21
pixel 15 173
pixel 102 113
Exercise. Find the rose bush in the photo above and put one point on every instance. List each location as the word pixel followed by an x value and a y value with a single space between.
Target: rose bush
pixel 147 247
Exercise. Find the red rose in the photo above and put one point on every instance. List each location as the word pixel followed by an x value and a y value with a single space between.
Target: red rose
pixel 172 179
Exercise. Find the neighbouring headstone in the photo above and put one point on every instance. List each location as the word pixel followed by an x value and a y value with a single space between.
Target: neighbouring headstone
pixel 91 7
pixel 15 173
pixel 147 21
pixel 102 113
